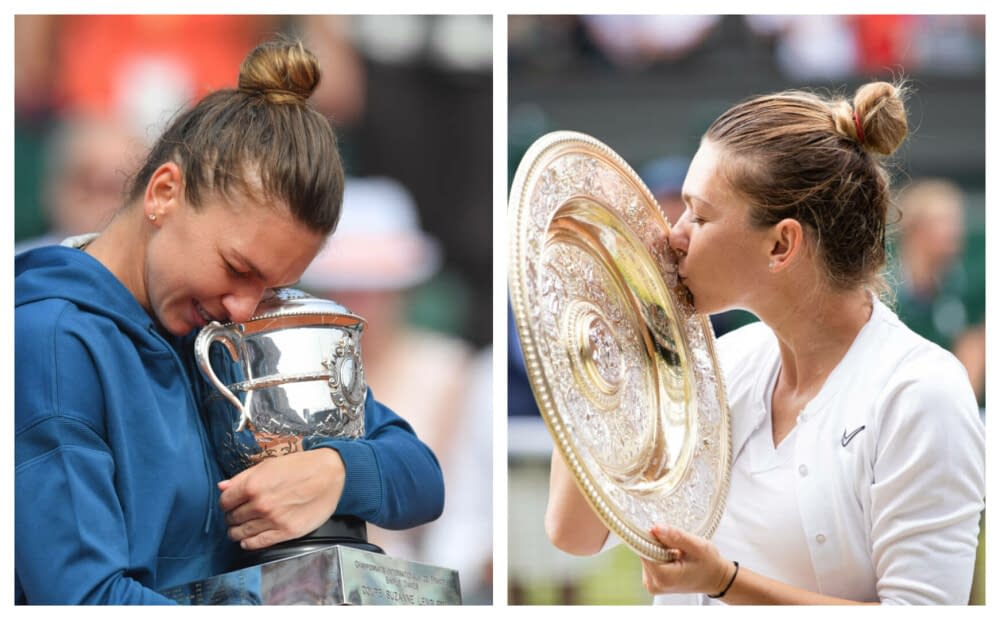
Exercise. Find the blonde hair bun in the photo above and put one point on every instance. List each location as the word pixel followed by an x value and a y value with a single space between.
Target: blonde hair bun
pixel 877 118
pixel 282 71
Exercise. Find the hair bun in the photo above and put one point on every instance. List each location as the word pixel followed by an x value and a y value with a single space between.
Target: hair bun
pixel 282 71
pixel 880 115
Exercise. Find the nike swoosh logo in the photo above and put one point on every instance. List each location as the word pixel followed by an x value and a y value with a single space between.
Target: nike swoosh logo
pixel 846 439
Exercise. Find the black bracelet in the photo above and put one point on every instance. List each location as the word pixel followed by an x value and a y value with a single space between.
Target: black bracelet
pixel 728 585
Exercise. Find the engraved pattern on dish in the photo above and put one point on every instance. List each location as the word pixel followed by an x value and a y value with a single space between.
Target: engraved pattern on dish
pixel 623 370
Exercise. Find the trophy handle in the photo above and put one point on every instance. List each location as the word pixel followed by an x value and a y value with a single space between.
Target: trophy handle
pixel 214 332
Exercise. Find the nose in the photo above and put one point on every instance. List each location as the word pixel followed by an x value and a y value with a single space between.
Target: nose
pixel 679 233
pixel 240 306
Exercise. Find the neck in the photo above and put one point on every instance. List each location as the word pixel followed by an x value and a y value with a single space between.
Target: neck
pixel 121 247
pixel 814 333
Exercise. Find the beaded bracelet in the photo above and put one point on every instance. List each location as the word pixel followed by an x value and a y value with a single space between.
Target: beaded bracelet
pixel 730 584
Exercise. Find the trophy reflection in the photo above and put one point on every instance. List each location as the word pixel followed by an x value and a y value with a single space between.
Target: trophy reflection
pixel 302 375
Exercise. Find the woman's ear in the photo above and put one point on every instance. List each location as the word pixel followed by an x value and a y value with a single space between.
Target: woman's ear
pixel 163 192
pixel 788 239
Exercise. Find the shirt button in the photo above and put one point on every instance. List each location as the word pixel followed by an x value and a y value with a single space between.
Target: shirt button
pixel 803 470
pixel 820 538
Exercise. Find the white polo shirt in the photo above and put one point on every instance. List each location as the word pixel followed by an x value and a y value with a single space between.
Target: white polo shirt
pixel 884 472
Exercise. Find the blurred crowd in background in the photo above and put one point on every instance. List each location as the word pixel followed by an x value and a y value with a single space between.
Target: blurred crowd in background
pixel 800 47
pixel 649 86
pixel 411 100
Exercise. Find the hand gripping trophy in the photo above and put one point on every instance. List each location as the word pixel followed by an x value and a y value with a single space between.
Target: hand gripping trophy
pixel 298 365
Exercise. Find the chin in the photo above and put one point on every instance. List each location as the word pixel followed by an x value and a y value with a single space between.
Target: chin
pixel 176 327
pixel 701 308
pixel 695 301
pixel 705 305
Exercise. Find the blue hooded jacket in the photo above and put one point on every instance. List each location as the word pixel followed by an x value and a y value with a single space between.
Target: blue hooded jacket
pixel 115 478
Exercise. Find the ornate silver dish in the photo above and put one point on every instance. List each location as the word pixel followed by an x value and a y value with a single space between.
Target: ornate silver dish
pixel 623 370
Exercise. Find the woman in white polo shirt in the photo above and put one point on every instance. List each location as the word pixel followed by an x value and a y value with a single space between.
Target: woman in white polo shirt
pixel 858 451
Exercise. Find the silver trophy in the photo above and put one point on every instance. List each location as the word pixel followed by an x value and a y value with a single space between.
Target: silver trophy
pixel 297 364
pixel 300 359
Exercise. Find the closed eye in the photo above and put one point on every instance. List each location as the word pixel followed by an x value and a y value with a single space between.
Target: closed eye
pixel 236 272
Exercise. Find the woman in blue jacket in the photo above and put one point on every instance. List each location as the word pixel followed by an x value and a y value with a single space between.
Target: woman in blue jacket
pixel 118 491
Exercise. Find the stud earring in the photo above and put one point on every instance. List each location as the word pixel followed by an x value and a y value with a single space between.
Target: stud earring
pixel 152 217
pixel 770 264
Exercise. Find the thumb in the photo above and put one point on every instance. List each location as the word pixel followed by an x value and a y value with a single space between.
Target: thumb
pixel 233 493
pixel 674 537
pixel 236 481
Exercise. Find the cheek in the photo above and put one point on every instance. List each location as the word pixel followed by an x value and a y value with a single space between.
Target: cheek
pixel 736 266
pixel 173 283
pixel 720 264
pixel 706 245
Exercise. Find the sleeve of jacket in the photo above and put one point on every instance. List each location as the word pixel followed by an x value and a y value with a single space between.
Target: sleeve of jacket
pixel 71 544
pixel 928 488
pixel 393 480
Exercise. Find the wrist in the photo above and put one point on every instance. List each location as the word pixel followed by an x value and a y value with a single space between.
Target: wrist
pixel 729 577
pixel 333 456
pixel 723 571
pixel 329 460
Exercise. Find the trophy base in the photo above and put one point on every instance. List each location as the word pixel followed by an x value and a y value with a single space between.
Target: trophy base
pixel 346 531
pixel 336 575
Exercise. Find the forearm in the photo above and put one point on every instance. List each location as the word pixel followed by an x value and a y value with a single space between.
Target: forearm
pixel 392 479
pixel 750 588
pixel 700 568
pixel 570 521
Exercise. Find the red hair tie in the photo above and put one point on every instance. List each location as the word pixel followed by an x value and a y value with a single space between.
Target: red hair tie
pixel 857 126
